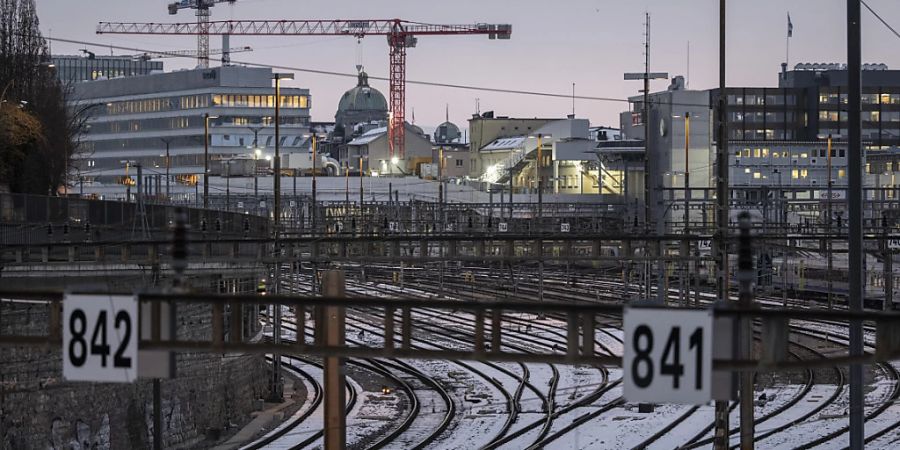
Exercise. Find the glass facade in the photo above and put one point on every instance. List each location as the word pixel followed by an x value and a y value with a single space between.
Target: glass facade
pixel 73 69
pixel 769 114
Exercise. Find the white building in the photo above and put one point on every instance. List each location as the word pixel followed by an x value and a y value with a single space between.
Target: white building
pixel 135 120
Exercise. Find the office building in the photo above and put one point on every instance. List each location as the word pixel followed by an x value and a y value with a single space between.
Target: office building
pixel 137 120
pixel 75 68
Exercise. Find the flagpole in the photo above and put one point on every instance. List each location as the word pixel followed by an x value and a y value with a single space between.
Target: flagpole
pixel 787 42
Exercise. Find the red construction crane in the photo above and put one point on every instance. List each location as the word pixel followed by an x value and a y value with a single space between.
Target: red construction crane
pixel 401 34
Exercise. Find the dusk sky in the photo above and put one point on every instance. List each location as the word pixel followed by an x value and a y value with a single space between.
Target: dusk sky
pixel 554 44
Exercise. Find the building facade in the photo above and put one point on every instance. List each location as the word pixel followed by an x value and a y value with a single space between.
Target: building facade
pixel 159 120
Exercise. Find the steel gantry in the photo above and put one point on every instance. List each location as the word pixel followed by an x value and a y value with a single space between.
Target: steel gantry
pixel 401 34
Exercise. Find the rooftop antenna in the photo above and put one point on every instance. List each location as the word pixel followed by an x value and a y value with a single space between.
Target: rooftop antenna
pixel 573 99
pixel 478 106
pixel 446 112
pixel 687 82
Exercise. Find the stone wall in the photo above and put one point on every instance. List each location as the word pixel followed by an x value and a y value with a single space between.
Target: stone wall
pixel 38 410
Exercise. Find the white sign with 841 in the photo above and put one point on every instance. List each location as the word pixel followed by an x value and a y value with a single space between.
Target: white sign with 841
pixel 668 355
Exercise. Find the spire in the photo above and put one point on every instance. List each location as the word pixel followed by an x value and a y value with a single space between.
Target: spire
pixel 363 78
pixel 446 112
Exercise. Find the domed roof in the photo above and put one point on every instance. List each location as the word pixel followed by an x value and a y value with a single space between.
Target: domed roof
pixel 362 98
pixel 446 132
pixel 417 129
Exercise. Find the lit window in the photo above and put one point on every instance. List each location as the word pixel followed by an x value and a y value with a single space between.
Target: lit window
pixel 747 170
pixel 795 174
pixel 756 175
pixel 841 173
pixel 804 173
pixel 756 153
pixel 804 155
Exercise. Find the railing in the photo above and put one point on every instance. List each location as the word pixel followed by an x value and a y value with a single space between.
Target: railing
pixel 36 219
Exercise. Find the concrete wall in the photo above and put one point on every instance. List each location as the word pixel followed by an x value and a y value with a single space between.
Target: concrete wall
pixel 38 410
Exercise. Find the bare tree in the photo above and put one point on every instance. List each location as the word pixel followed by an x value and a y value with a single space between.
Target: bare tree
pixel 29 84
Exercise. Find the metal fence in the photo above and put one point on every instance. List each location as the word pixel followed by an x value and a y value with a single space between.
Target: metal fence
pixel 35 219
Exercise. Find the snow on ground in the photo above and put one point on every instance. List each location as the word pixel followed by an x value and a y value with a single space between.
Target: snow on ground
pixel 575 382
pixel 619 428
pixel 614 342
pixel 480 408
pixel 687 429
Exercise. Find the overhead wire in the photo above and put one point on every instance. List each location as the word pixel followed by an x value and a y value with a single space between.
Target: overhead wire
pixel 877 16
pixel 567 96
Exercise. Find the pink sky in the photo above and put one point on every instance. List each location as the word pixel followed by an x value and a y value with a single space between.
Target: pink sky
pixel 554 44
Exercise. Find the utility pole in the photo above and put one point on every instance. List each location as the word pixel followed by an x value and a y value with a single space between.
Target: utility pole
pixel 745 278
pixel 828 227
pixel 314 168
pixel 206 161
pixel 166 141
pixel 646 76
pixel 332 323
pixel 854 205
pixel 276 390
pixel 720 436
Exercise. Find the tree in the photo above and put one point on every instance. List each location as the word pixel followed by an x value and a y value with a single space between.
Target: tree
pixel 20 134
pixel 27 81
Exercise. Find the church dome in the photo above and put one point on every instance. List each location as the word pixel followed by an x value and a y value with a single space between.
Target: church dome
pixel 446 133
pixel 363 103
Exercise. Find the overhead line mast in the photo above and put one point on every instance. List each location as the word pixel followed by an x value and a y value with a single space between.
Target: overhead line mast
pixel 401 34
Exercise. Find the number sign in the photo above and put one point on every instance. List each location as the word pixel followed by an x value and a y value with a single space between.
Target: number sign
pixel 893 244
pixel 564 227
pixel 704 244
pixel 668 355
pixel 503 227
pixel 100 338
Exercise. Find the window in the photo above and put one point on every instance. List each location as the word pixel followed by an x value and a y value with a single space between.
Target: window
pixel 756 175
pixel 804 155
pixel 459 163
pixel 804 173
pixel 795 174
pixel 841 173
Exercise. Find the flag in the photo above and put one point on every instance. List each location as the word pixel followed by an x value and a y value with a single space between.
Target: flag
pixel 790 26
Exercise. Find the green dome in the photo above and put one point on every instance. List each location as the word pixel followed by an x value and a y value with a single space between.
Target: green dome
pixel 361 104
pixel 446 132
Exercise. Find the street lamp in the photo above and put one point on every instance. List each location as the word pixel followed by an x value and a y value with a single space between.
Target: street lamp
pixel 313 137
pixel 394 161
pixel 256 153
pixel 539 179
pixel 206 118
pixel 277 181
pixel 166 141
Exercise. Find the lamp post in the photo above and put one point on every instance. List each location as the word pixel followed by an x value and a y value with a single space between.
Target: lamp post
pixel 361 172
pixel 314 167
pixel 277 181
pixel 277 392
pixel 687 170
pixel 256 153
pixel 441 176
pixel 206 118
pixel 166 141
